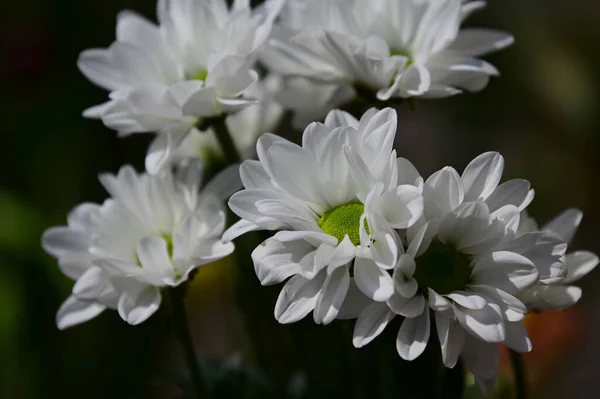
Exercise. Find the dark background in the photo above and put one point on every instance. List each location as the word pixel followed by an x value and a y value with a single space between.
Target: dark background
pixel 543 115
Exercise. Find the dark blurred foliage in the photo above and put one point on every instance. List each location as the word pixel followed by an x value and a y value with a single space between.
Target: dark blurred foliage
pixel 542 115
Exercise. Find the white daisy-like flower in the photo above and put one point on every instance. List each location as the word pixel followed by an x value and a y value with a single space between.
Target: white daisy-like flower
pixel 195 64
pixel 463 268
pixel 151 234
pixel 245 126
pixel 336 202
pixel 395 48
pixel 560 293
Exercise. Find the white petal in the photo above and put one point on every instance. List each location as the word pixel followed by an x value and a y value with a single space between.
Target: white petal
pixel 74 311
pixel 190 172
pixel 513 192
pixel 384 248
pixel 153 255
pixel 413 336
pixel 565 225
pixel 209 251
pixel 510 217
pixel 275 261
pixel 513 308
pixel 407 173
pixel 159 153
pixel 482 175
pixel 442 193
pixel 451 336
pixel 338 118
pixel 437 302
pixel 298 298
pixel 469 7
pixel 404 283
pixel 225 183
pixel 315 237
pixel 332 296
pixel 416 80
pixel 422 239
pixel 96 111
pixel 263 145
pixel 505 270
pixel 545 250
pixel 373 281
pixel 94 285
pixel 81 217
pixel 254 175
pixel 477 42
pixel 138 303
pixel 239 228
pixel 470 229
pixel 468 300
pixel 58 241
pixel 371 322
pixel 344 253
pixel 486 323
pixel 544 298
pixel 354 304
pixel 481 358
pixel 579 263
pixel 98 67
pixel 517 338
pixel 74 265
pixel 411 308
pixel 202 103
pixel 402 207
pixel 284 159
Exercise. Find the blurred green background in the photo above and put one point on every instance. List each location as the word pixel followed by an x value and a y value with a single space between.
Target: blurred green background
pixel 543 115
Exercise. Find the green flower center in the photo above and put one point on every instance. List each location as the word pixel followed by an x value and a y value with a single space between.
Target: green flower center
pixel 344 220
pixel 403 54
pixel 169 240
pixel 443 268
pixel 201 75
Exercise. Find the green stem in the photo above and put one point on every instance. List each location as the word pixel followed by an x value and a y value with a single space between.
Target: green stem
pixel 182 328
pixel 226 142
pixel 519 373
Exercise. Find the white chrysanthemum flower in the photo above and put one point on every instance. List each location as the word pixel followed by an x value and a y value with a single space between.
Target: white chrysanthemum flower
pixel 196 63
pixel 151 234
pixel 560 294
pixel 245 126
pixel 464 264
pixel 396 48
pixel 336 201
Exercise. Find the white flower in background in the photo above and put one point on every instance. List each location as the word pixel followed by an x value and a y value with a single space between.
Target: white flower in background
pixel 396 48
pixel 307 100
pixel 560 294
pixel 245 126
pixel 458 268
pixel 336 202
pixel 151 234
pixel 196 63
pixel 311 101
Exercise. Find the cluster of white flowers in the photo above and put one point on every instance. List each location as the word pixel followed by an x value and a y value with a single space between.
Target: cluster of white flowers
pixel 359 233
pixel 362 235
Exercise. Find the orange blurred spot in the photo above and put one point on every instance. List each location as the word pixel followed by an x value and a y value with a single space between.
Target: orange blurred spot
pixel 553 334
